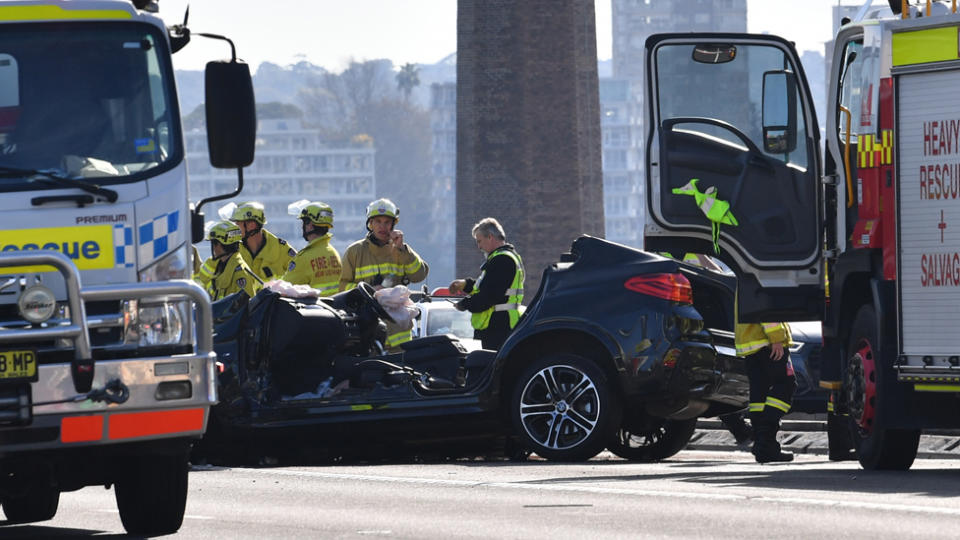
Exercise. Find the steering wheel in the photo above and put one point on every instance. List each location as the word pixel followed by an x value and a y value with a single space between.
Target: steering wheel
pixel 366 295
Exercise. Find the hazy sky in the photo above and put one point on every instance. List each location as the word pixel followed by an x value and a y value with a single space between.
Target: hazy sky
pixel 330 32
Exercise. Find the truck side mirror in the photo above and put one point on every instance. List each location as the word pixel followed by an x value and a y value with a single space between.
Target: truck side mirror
pixel 231 114
pixel 779 112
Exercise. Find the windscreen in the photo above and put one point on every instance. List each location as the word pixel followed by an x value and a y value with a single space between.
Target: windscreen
pixel 85 100
pixel 730 91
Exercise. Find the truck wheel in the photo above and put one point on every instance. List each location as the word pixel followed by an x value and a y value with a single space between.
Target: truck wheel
pixel 152 494
pixel 563 408
pixel 38 504
pixel 653 439
pixel 877 447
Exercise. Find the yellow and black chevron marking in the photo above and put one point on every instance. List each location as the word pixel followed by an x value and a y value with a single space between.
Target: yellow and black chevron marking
pixel 874 153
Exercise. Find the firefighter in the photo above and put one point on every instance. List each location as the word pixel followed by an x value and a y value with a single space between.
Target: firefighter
pixel 766 351
pixel 382 259
pixel 496 296
pixel 266 254
pixel 318 264
pixel 225 272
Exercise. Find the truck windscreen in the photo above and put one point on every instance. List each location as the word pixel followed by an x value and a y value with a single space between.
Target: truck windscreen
pixel 86 101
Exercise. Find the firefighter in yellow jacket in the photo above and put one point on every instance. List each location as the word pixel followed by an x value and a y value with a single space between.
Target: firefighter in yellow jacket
pixel 225 272
pixel 318 264
pixel 382 259
pixel 766 351
pixel 266 254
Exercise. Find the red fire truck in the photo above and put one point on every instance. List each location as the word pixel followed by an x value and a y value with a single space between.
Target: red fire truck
pixel 857 225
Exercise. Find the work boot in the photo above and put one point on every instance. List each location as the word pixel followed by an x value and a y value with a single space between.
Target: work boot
pixel 766 449
pixel 738 427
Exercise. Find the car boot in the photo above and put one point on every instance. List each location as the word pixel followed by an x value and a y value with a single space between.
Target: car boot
pixel 766 449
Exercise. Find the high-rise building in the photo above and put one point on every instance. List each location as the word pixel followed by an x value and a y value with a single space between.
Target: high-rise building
pixel 621 112
pixel 292 163
pixel 622 97
pixel 443 214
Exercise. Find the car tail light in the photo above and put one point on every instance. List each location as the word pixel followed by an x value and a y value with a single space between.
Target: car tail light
pixel 673 287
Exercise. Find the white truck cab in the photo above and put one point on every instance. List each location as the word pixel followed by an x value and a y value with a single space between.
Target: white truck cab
pixel 107 369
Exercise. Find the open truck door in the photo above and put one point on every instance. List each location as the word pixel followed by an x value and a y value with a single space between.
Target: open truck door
pixel 734 112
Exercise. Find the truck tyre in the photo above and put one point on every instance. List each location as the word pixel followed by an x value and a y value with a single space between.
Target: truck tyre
pixel 152 494
pixel 877 447
pixel 654 440
pixel 39 503
pixel 564 408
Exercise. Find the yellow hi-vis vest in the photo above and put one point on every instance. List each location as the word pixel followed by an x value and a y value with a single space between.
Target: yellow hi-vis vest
pixel 514 294
pixel 751 337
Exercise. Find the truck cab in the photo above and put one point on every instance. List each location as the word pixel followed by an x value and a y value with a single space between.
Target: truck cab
pixel 107 369
pixel 858 238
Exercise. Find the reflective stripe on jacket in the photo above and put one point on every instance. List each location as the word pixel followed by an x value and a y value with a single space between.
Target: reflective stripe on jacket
pixel 380 265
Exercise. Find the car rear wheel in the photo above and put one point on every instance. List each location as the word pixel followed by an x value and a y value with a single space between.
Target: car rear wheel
pixel 152 494
pixel 39 503
pixel 877 446
pixel 653 439
pixel 564 408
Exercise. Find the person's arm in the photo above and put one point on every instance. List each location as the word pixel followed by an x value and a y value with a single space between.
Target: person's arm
pixel 348 269
pixel 414 267
pixel 497 278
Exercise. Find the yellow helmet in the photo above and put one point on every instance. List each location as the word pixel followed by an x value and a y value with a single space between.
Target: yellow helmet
pixel 225 232
pixel 383 207
pixel 319 213
pixel 249 211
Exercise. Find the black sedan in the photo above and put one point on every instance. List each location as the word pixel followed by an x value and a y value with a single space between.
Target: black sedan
pixel 613 344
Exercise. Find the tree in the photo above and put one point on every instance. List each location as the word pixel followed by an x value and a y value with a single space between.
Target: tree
pixel 361 104
pixel 407 79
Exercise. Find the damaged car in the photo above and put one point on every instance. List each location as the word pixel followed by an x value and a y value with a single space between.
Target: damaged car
pixel 615 345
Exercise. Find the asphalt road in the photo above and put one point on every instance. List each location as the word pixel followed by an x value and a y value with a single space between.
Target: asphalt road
pixel 697 494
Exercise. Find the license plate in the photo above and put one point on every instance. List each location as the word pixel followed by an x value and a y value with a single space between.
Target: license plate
pixel 18 365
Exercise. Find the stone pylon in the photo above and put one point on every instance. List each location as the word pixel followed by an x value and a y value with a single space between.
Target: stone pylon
pixel 528 128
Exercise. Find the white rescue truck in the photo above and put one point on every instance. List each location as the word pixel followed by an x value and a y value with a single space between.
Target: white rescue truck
pixel 865 237
pixel 107 369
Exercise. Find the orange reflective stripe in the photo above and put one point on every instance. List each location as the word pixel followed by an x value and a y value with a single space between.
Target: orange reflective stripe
pixel 142 424
pixel 81 428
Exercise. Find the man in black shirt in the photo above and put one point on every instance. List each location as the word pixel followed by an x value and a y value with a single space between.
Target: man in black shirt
pixel 496 296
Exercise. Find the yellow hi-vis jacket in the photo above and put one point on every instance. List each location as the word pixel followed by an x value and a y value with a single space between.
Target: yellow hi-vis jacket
pixel 223 278
pixel 514 294
pixel 317 265
pixel 273 259
pixel 751 337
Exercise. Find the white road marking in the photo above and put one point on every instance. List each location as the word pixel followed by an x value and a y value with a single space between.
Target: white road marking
pixel 832 503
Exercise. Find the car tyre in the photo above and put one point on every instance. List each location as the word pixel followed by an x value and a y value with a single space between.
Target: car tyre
pixel 152 494
pixel 877 447
pixel 563 408
pixel 39 503
pixel 656 439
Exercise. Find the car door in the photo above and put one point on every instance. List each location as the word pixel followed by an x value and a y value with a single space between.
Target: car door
pixel 734 112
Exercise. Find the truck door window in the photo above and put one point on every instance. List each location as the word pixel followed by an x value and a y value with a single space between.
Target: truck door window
pixel 850 87
pixel 690 88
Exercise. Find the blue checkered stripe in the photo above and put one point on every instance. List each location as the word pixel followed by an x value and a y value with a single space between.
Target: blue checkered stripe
pixel 157 236
pixel 124 256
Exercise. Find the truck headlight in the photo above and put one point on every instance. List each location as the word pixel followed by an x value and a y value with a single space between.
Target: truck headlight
pixel 154 323
pixel 171 266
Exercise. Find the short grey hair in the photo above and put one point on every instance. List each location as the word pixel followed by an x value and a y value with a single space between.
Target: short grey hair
pixel 489 227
